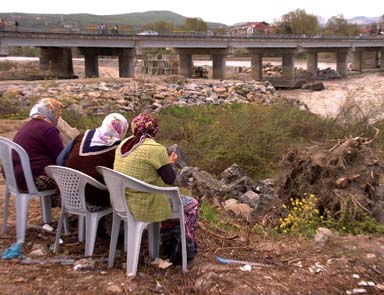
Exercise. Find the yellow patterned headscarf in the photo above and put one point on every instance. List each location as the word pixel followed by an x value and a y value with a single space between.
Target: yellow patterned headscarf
pixel 47 109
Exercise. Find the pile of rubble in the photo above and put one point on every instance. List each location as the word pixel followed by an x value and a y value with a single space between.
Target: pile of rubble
pixel 95 97
pixel 234 191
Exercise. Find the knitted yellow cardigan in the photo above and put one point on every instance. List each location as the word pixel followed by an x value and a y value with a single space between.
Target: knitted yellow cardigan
pixel 142 164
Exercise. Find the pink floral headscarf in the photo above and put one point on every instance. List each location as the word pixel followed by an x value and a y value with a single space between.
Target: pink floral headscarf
pixel 113 128
pixel 143 125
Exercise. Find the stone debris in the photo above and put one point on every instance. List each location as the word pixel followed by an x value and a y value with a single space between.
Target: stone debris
pixel 39 250
pixel 357 291
pixel 132 96
pixel 322 237
pixel 84 264
pixel 161 263
pixel 235 192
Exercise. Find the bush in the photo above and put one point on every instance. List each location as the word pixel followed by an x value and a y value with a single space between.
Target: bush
pixel 303 218
pixel 253 136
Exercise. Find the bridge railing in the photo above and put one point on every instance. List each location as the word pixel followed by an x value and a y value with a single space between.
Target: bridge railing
pixel 197 35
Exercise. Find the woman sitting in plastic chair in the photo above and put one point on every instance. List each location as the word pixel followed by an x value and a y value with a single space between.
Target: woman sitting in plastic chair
pixel 96 147
pixel 141 157
pixel 41 140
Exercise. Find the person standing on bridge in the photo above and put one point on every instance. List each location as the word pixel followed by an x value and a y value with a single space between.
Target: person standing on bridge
pixel 2 25
pixel 16 26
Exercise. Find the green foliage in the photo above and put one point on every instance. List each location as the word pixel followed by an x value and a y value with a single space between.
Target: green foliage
pixel 127 22
pixel 354 220
pixel 338 25
pixel 193 24
pixel 81 121
pixel 302 218
pixel 10 106
pixel 161 27
pixel 240 52
pixel 252 136
pixel 298 22
pixel 24 51
pixel 208 212
pixel 214 217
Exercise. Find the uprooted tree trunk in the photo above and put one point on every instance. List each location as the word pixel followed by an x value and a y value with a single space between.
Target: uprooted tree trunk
pixel 341 175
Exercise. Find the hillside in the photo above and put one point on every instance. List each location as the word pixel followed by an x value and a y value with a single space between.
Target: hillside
pixel 134 20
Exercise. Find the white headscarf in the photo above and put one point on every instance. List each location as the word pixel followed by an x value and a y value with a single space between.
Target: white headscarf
pixel 47 109
pixel 112 129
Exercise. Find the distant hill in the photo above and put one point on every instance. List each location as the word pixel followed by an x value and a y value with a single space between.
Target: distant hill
pixel 135 20
pixel 364 20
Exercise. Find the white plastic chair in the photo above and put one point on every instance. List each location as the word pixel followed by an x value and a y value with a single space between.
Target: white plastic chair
pixel 117 184
pixel 71 184
pixel 7 148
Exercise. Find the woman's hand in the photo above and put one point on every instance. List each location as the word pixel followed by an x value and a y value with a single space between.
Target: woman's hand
pixel 173 158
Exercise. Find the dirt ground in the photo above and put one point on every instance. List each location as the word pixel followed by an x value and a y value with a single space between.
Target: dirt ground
pixel 287 266
pixel 346 265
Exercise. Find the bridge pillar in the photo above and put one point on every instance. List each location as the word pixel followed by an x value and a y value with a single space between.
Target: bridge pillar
pixel 91 63
pixel 56 60
pixel 357 57
pixel 3 49
pixel 185 64
pixel 257 66
pixel 312 62
pixel 288 66
pixel 218 66
pixel 370 59
pixel 382 59
pixel 126 63
pixel 341 62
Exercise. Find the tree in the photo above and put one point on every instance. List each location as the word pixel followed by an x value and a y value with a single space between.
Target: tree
pixel 298 22
pixel 338 25
pixel 161 27
pixel 195 25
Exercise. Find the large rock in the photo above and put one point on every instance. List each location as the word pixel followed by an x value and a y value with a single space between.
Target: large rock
pixel 204 185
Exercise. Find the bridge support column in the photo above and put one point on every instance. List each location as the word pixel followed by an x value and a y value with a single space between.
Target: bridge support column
pixel 3 49
pixel 185 64
pixel 357 61
pixel 382 59
pixel 257 66
pixel 126 63
pixel 56 60
pixel 288 66
pixel 312 62
pixel 91 61
pixel 370 59
pixel 218 66
pixel 341 62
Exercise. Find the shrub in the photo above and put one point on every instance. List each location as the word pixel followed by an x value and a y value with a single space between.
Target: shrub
pixel 253 136
pixel 302 218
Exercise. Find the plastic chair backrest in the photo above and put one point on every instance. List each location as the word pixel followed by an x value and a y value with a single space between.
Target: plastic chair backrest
pixel 7 148
pixel 118 182
pixel 72 184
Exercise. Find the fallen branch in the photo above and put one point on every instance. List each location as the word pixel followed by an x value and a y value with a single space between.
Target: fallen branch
pixel 62 261
pixel 201 226
pixel 374 137
pixel 33 226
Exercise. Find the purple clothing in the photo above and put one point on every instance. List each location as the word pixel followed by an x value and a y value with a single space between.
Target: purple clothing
pixel 42 143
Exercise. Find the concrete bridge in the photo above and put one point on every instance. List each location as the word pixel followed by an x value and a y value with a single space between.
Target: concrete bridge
pixel 56 55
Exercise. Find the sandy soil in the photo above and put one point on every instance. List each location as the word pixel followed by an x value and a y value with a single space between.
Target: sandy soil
pixel 366 90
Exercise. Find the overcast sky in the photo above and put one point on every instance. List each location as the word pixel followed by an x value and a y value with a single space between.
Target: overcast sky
pixel 223 11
